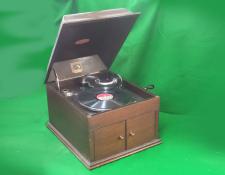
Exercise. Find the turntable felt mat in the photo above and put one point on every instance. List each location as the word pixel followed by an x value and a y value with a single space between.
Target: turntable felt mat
pixel 177 45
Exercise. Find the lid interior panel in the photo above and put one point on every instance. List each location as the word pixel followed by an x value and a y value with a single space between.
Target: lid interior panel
pixel 98 36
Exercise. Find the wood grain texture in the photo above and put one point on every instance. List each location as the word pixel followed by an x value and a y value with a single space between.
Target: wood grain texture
pixel 103 137
pixel 140 130
pixel 109 140
pixel 94 164
pixel 69 121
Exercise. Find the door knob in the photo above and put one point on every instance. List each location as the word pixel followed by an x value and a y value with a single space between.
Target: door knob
pixel 121 137
pixel 131 133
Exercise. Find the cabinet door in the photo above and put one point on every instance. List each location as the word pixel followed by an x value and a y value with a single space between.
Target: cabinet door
pixel 109 140
pixel 140 129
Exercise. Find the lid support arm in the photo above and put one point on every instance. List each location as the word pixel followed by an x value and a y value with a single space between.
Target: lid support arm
pixel 57 79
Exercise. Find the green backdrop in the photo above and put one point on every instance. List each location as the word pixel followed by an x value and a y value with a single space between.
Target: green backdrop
pixel 177 45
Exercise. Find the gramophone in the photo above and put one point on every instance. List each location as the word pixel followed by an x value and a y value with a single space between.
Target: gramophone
pixel 95 112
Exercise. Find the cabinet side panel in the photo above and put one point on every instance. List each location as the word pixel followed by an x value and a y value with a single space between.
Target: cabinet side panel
pixel 68 121
pixel 157 124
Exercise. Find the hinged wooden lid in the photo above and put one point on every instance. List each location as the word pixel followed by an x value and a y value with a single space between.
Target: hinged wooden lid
pixel 97 33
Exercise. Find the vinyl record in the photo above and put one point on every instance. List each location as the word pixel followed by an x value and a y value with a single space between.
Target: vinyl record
pixel 103 100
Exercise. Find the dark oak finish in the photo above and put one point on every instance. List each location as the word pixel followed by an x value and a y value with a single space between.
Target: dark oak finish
pixel 69 121
pixel 109 140
pixel 140 129
pixel 96 136
pixel 83 47
pixel 95 164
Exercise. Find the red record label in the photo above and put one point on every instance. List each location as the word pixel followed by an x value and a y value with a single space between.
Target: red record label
pixel 104 96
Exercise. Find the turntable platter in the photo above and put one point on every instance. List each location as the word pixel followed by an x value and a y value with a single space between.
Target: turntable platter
pixel 103 100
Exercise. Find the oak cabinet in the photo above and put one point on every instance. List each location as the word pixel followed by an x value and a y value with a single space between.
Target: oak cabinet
pixel 140 130
pixel 104 137
pixel 109 140
pixel 87 44
pixel 122 136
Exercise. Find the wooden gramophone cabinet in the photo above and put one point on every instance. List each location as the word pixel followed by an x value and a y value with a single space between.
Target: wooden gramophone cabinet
pixel 88 43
